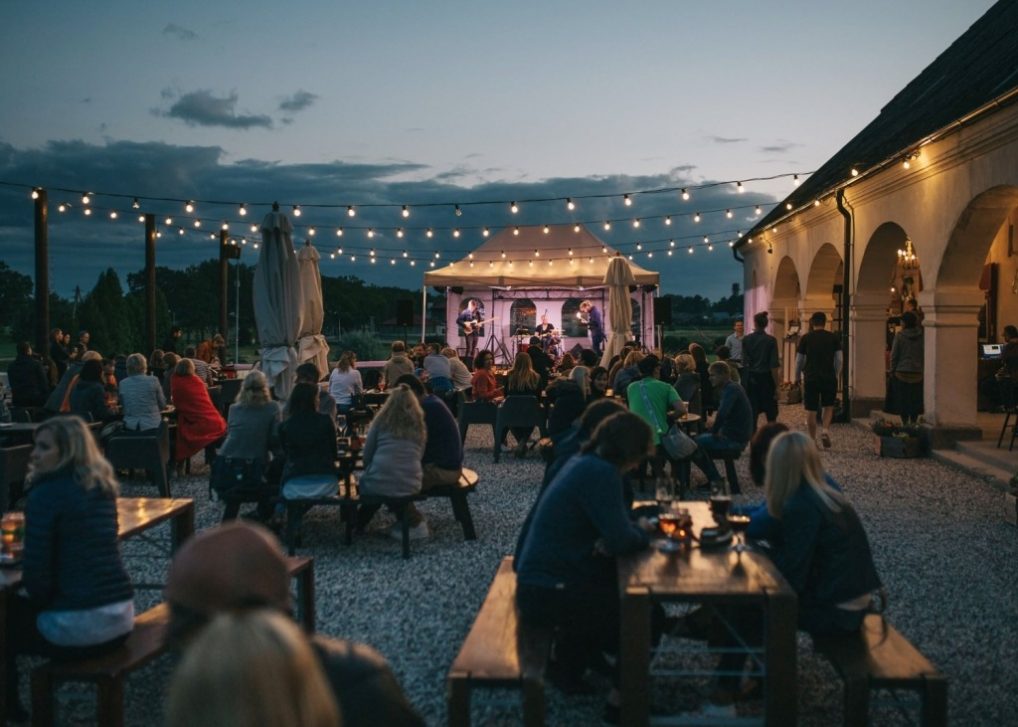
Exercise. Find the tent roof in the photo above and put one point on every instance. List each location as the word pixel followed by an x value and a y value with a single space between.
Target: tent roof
pixel 552 267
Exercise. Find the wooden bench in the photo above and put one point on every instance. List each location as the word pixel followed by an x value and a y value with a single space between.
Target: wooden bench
pixel 879 657
pixel 145 643
pixel 349 501
pixel 731 476
pixel 499 652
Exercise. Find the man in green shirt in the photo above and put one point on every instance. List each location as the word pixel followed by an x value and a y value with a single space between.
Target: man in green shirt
pixel 651 399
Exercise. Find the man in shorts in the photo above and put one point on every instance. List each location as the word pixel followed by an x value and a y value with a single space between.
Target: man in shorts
pixel 818 364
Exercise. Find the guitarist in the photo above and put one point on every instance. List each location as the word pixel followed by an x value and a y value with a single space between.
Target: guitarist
pixel 469 321
pixel 591 315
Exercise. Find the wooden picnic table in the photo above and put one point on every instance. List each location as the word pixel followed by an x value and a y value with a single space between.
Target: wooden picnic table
pixel 134 515
pixel 714 577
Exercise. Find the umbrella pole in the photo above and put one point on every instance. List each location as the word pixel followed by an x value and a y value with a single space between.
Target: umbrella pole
pixel 424 312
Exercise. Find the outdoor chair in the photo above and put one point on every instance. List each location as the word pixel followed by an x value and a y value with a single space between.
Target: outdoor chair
pixel 474 412
pixel 150 452
pixel 229 390
pixel 517 411
pixel 1006 389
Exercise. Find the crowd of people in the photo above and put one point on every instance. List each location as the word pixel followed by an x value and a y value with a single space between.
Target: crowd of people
pixel 228 586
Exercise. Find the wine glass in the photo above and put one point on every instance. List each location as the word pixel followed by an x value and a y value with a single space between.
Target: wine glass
pixel 740 524
pixel 663 491
pixel 668 523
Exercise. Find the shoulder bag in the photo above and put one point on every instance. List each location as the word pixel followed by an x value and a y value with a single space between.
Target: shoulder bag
pixel 677 444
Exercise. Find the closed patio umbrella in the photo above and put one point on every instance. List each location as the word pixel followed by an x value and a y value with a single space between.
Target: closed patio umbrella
pixel 311 344
pixel 618 278
pixel 276 293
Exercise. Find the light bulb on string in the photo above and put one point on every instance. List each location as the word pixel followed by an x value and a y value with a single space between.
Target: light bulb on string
pixel 739 188
pixel 516 231
pixel 639 246
pixel 135 204
pixel 710 248
pixel 372 260
pixel 706 239
pixel 180 230
pixel 296 210
pixel 728 214
pixel 513 207
pixel 456 232
pixel 547 229
pixel 671 243
pixel 690 249
pixel 816 203
pixel 576 228
pixel 457 211
pixel 570 205
pixel 685 195
pixel 413 263
pixel 406 211
pixel 168 221
pixel 392 261
pixel 225 226
pixel 255 246
pixel 35 193
pixel 438 255
pixel 242 211
pixel 339 251
pixel 470 255
pixel 485 232
pixel 399 232
pixel 788 205
pixel 189 207
pixel 607 225
pixel 668 220
pixel 795 179
pixel 86 199
pixel 650 254
pixel 855 172
pixel 62 208
pixel 503 254
pixel 254 229
pixel 537 253
pixel 731 243
pixel 570 252
pixel 353 258
pixel 372 252
pixel 212 236
pixel 88 212
pixel 197 223
pixel 311 231
pixel 604 249
pixel 429 233
pixel 757 209
pixel 159 234
pixel 669 253
pixel 332 255
pixel 350 211
pixel 636 222
pixel 339 232
pixel 432 263
pixel 627 200
pixel 696 217
pixel 114 215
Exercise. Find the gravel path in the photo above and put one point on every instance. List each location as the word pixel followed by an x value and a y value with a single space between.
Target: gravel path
pixel 942 549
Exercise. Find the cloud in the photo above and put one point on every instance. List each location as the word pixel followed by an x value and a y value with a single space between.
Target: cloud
pixel 324 189
pixel 781 147
pixel 201 108
pixel 298 101
pixel 179 32
pixel 726 139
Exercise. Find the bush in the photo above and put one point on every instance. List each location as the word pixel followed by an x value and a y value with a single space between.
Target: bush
pixel 367 346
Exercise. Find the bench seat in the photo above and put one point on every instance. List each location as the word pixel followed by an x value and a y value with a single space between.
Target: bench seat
pixel 880 657
pixel 499 652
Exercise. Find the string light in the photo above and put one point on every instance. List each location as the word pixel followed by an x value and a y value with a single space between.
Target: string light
pixel 739 188
pixel 197 223
pixel 243 210
pixel 639 246
pixel 668 220
pixel 757 209
pixel 486 232
pixel 189 207
pixel 457 211
pixel 311 231
pixel 350 211
pixel 696 217
pixel 788 205
pixel 254 229
pixel 547 229
pixel 855 172
pixel 113 215
pixel 795 180
pixel 88 212
pixel 372 252
pixel 135 204
pixel 627 201
pixel 371 234
pixel 671 243
pixel 225 226
pixel 180 230
pixel 576 228
pixel 685 195
pixel 404 253
pixel 636 222
pixel 429 233
pixel 456 232
pixel 690 249
pixel 537 253
pixel 339 232
pixel 399 232
pixel 607 225
pixel 406 211
pixel 513 207
pixel 35 193
pixel 516 231
pixel 86 199
pixel 503 254
pixel 296 210
pixel 728 214
pixel 62 208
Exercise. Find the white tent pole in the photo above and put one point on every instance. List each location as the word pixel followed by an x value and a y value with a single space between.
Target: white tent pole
pixel 424 311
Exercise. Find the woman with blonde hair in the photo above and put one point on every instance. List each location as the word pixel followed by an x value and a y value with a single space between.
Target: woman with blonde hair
pixel 688 382
pixel 252 432
pixel 392 457
pixel 522 381
pixel 80 599
pixel 251 669
pixel 628 373
pixel 823 551
pixel 345 382
pixel 141 397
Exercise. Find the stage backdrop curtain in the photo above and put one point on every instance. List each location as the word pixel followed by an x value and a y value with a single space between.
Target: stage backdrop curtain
pixel 617 279
pixel 276 293
pixel 311 344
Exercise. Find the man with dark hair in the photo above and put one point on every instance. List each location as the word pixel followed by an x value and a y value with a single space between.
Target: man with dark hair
pixel 170 342
pixel 588 358
pixel 652 399
pixel 201 368
pixel 469 321
pixel 818 363
pixel 397 365
pixel 591 315
pixel 541 361
pixel 27 378
pixel 83 338
pixel 731 429
pixel 58 352
pixel 239 566
pixel 762 369
pixel 308 373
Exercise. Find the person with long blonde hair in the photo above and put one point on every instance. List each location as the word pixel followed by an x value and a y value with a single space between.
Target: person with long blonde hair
pixel 80 599
pixel 251 669
pixel 392 457
pixel 523 380
pixel 345 382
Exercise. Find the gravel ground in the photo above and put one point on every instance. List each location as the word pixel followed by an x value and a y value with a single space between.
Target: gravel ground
pixel 938 537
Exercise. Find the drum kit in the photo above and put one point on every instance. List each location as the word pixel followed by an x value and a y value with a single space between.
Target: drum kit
pixel 551 342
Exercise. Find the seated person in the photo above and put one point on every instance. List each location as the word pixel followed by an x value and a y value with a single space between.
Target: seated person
pixel 629 372
pixel 307 439
pixel 652 400
pixel 598 382
pixel 239 566
pixel 570 441
pixel 397 365
pixel 568 397
pixel 88 397
pixel 687 383
pixel 723 354
pixel 541 361
pixel 522 381
pixel 27 378
pixel 141 397
pixel 439 370
pixel 79 598
pixel 267 653
pixel 392 458
pixel 308 373
pixel 565 569
pixel 201 367
pixel 731 429
pixel 199 423
pixel 170 361
pixel 459 371
pixel 442 461
pixel 566 364
pixel 59 399
pixel 483 381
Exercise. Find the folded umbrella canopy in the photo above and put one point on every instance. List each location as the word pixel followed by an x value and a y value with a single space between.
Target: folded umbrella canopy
pixel 311 344
pixel 276 293
pixel 618 278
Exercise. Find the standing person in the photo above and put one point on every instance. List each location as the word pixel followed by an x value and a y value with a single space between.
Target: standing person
pixel 83 338
pixel 58 353
pixel 345 383
pixel 734 341
pixel 171 342
pixel 27 378
pixel 762 369
pixel 907 368
pixel 818 362
pixel 468 321
pixel 80 600
pixel 397 365
pixel 591 315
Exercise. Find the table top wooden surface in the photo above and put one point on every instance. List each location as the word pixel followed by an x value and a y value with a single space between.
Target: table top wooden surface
pixel 703 573
pixel 135 514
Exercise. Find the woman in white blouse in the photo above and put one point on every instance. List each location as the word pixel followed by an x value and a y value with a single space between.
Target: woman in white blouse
pixel 345 382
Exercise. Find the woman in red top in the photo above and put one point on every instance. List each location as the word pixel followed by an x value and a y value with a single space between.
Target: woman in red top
pixel 485 386
pixel 199 423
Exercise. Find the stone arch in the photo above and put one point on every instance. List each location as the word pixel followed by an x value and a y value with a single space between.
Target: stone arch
pixel 823 272
pixel 522 315
pixel 972 235
pixel 880 256
pixel 786 280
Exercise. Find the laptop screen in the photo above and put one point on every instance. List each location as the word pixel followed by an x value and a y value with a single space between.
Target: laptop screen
pixel 992 350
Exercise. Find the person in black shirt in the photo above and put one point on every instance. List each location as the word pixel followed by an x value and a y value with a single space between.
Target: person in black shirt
pixel 58 352
pixel 761 369
pixel 543 363
pixel 27 378
pixel 818 362
pixel 468 320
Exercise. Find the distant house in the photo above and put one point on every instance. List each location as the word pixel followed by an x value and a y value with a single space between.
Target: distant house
pixel 922 203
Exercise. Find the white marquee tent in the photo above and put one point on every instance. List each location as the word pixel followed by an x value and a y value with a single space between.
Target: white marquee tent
pixel 521 273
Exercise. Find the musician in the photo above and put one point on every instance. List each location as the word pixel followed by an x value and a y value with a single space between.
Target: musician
pixel 469 320
pixel 591 315
pixel 545 330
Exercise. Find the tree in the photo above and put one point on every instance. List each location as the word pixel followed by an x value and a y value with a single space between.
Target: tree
pixel 16 297
pixel 106 316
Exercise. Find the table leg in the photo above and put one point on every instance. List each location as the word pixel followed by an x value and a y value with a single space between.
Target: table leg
pixel 634 656
pixel 3 656
pixel 182 526
pixel 306 597
pixel 780 690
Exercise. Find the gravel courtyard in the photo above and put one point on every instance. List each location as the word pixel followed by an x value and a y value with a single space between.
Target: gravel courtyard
pixel 946 556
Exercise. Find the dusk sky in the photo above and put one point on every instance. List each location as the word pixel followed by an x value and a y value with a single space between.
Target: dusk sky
pixel 448 102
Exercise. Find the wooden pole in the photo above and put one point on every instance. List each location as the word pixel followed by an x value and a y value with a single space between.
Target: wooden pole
pixel 150 282
pixel 224 271
pixel 42 273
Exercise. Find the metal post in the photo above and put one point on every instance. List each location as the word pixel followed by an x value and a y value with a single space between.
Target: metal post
pixel 224 290
pixel 150 281
pixel 236 313
pixel 424 312
pixel 42 273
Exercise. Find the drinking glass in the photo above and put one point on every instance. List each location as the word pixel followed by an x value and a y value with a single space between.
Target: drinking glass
pixel 341 424
pixel 668 523
pixel 720 504
pixel 740 524
pixel 663 491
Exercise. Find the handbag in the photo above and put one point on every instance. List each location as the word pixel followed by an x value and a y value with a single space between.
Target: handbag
pixel 229 476
pixel 677 444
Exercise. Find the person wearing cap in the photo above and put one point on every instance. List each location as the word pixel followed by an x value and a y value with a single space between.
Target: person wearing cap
pixel 238 566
